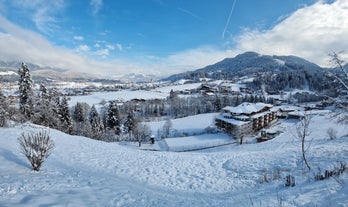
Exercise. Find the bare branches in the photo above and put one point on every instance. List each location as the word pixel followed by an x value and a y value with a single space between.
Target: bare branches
pixel 302 132
pixel 336 60
pixel 36 147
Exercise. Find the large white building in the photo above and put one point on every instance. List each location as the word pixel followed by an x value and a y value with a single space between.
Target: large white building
pixel 246 118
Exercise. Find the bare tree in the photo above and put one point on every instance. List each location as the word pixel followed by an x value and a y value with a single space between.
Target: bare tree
pixel 341 110
pixel 338 62
pixel 168 125
pixel 36 147
pixel 302 133
pixel 141 132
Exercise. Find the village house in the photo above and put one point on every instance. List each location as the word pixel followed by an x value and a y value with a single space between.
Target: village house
pixel 246 118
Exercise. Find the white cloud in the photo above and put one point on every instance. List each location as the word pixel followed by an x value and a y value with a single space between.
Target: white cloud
pixel 83 48
pixel 28 46
pixel 78 38
pixel 43 14
pixel 311 32
pixel 102 52
pixel 119 47
pixel 96 5
pixel 110 47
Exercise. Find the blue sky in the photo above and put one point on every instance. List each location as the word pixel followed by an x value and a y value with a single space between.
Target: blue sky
pixel 161 37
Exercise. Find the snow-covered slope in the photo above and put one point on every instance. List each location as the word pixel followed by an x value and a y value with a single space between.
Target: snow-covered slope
pixel 85 172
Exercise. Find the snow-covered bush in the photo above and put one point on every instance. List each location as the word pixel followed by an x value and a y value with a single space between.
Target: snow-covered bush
pixel 332 133
pixel 2 117
pixel 336 170
pixel 36 147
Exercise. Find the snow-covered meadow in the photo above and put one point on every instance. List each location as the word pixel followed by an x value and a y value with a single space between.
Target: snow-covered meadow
pixel 85 172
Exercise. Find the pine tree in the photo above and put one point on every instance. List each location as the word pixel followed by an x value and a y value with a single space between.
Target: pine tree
pixel 129 125
pixel 173 101
pixel 2 117
pixel 3 109
pixel 25 92
pixel 65 116
pixel 112 118
pixel 78 113
pixel 93 114
pixel 43 112
pixel 97 127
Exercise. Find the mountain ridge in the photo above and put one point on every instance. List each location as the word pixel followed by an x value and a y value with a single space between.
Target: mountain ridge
pixel 248 62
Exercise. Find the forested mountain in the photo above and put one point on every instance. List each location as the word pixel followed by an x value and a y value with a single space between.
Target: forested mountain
pixel 39 73
pixel 246 64
pixel 273 73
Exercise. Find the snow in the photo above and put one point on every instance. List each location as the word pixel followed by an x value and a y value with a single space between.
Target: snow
pixel 8 73
pixel 86 172
pixel 181 87
pixel 279 61
pixel 247 108
pixel 125 95
pixel 198 142
pixel 188 125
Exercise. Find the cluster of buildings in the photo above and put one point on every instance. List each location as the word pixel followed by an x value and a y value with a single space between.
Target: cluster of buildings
pixel 246 118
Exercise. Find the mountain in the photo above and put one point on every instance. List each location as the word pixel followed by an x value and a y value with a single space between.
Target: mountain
pixel 9 69
pixel 246 64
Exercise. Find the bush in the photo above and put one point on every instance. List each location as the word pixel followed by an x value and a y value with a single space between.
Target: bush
pixel 332 133
pixel 36 147
pixel 337 170
pixel 2 117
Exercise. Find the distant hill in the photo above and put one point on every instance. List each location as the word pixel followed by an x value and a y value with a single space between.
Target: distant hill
pixel 246 64
pixel 9 71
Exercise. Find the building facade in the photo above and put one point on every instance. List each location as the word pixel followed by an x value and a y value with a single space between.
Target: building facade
pixel 246 118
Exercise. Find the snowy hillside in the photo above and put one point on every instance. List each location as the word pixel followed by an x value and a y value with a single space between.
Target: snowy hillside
pixel 85 172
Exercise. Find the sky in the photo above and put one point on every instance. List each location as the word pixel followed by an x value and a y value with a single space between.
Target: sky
pixel 111 38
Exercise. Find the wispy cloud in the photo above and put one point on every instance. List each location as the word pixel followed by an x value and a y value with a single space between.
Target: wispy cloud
pixel 83 48
pixel 96 5
pixel 78 38
pixel 190 13
pixel 228 19
pixel 120 47
pixel 311 32
pixel 110 47
pixel 44 15
pixel 102 52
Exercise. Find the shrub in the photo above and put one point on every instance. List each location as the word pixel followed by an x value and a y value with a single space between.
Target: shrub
pixel 2 117
pixel 290 181
pixel 332 133
pixel 336 171
pixel 36 147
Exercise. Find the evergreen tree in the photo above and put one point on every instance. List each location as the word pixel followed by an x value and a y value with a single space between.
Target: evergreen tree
pixel 129 125
pixel 97 126
pixel 112 118
pixel 93 114
pixel 65 116
pixel 173 101
pixel 2 117
pixel 217 103
pixel 3 109
pixel 45 110
pixel 25 92
pixel 78 113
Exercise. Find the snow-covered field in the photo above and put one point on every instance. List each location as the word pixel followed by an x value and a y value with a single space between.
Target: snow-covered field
pixel 85 172
pixel 189 125
pixel 124 95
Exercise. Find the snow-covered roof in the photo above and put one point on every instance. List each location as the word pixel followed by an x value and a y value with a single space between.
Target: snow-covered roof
pixel 247 108
pixel 232 121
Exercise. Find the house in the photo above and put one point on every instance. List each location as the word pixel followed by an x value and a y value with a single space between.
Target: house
pixel 246 118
